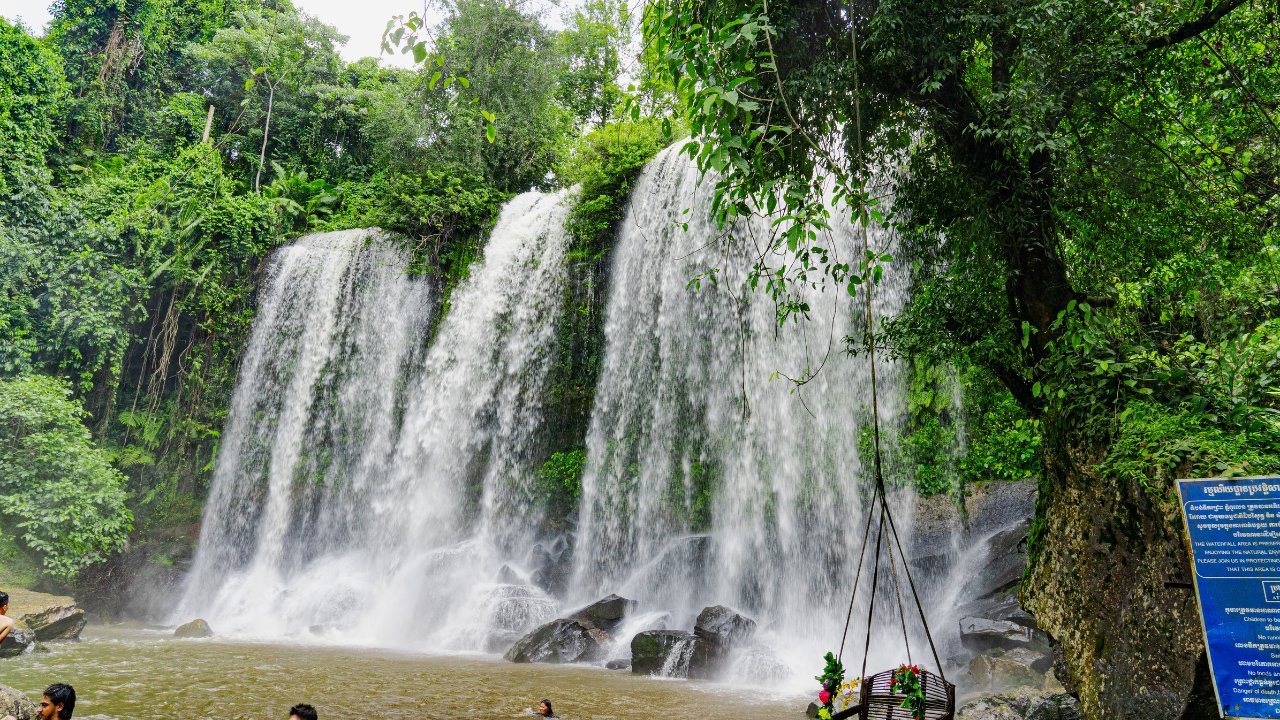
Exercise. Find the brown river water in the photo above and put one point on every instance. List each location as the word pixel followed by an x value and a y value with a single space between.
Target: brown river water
pixel 135 674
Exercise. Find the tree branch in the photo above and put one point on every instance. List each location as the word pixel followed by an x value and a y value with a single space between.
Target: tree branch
pixel 1191 29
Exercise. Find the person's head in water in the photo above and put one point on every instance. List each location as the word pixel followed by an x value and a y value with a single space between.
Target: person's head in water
pixel 302 711
pixel 4 602
pixel 58 703
pixel 544 709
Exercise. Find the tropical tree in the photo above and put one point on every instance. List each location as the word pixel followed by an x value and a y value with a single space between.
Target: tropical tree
pixel 283 52
pixel 59 494
pixel 593 44
pixel 1084 183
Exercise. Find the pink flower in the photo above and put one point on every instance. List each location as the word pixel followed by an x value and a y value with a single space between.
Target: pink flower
pixel 824 697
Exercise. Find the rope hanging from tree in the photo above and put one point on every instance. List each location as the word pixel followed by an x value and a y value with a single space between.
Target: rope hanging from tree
pixel 881 695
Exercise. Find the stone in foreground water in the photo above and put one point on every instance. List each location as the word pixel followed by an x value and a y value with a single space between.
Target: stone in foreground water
pixel 195 629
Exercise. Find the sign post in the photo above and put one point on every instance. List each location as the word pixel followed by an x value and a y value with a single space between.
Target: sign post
pixel 1234 528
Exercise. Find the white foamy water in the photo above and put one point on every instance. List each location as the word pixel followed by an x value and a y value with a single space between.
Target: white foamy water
pixel 375 480
pixel 685 405
pixel 362 469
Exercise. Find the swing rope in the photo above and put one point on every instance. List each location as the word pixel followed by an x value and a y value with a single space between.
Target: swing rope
pixel 878 490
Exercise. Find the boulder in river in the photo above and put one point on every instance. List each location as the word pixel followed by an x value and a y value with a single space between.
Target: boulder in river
pixel 59 622
pixel 50 617
pixel 718 631
pixel 606 613
pixel 723 628
pixel 21 640
pixel 651 650
pixel 197 628
pixel 560 641
pixel 16 704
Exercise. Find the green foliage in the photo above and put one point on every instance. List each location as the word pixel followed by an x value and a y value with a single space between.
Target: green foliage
pixel 704 482
pixel 963 428
pixel 263 59
pixel 559 483
pixel 1155 446
pixel 32 88
pixel 59 494
pixel 302 202
pixel 592 43
pixel 605 163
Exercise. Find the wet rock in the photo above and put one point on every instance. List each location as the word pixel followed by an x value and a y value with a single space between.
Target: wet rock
pixel 1006 559
pixel 552 568
pixel 618 664
pixel 59 622
pixel 197 628
pixel 560 641
pixel 508 576
pixel 1007 669
pixel 719 630
pixel 998 606
pixel 16 704
pixel 723 628
pixel 651 649
pixel 606 613
pixel 50 617
pixel 981 634
pixel 20 641
pixel 1022 705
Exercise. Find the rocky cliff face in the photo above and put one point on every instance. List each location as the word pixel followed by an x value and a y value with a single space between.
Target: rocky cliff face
pixel 1102 554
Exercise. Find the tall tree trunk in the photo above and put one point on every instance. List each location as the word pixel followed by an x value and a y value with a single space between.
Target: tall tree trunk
pixel 266 133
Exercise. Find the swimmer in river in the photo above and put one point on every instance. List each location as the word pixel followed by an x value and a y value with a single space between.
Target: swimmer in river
pixel 58 703
pixel 302 711
pixel 6 622
pixel 544 710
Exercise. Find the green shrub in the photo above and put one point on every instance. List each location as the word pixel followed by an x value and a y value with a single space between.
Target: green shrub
pixel 59 494
pixel 1156 444
pixel 605 163
pixel 559 483
pixel 32 86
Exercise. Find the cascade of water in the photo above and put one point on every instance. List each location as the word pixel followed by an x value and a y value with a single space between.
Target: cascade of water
pixel 362 470
pixel 374 484
pixel 689 435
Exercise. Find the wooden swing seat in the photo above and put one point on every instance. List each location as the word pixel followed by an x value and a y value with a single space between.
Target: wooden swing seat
pixel 877 702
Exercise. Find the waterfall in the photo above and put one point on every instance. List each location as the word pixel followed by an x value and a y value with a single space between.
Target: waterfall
pixel 371 482
pixel 375 482
pixel 708 482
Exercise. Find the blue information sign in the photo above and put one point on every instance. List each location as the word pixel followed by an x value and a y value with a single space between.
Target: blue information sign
pixel 1234 526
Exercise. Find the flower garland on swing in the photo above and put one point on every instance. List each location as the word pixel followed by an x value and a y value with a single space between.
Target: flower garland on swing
pixel 834 688
pixel 906 681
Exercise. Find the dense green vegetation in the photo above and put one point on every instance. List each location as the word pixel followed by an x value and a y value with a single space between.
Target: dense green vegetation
pixel 57 490
pixel 1091 210
pixel 1089 205
pixel 131 247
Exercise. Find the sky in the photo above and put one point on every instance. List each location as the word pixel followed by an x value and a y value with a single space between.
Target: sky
pixel 362 20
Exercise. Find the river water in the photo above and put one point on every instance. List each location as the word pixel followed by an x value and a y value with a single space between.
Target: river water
pixel 138 674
